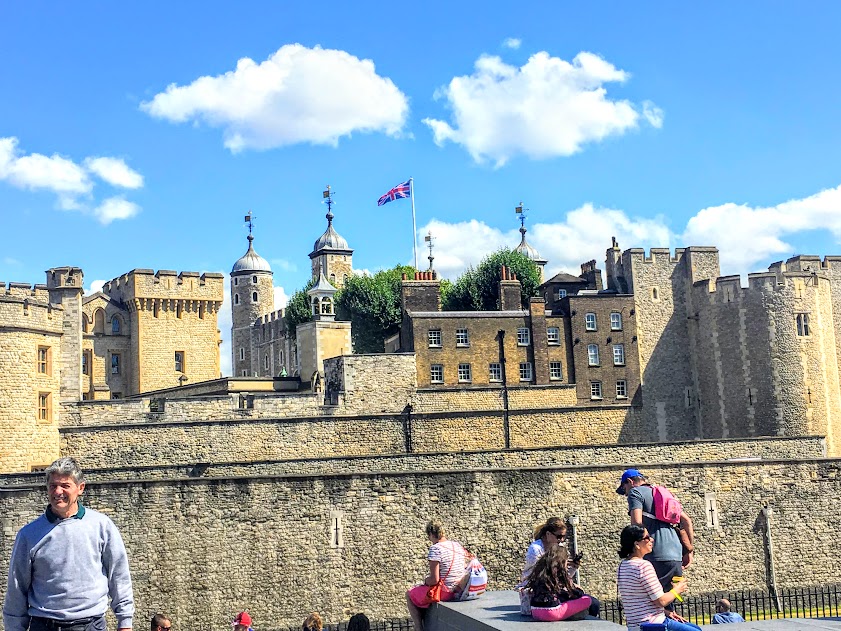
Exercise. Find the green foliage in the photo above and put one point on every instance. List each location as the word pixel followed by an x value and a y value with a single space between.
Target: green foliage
pixel 372 304
pixel 298 309
pixel 478 289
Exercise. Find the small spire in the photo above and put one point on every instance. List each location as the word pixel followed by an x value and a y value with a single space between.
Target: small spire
pixel 522 212
pixel 248 220
pixel 328 195
pixel 429 239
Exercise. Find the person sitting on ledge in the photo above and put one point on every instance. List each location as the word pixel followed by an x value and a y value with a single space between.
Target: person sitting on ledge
pixel 546 536
pixel 553 596
pixel 359 622
pixel 723 615
pixel 642 595
pixel 312 623
pixel 447 564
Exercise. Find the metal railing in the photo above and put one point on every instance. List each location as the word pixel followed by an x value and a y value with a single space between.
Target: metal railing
pixel 396 624
pixel 795 602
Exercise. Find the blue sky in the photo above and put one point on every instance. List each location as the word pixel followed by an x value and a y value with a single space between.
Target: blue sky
pixel 139 136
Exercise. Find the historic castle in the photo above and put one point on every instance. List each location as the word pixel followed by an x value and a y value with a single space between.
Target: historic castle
pixel 274 489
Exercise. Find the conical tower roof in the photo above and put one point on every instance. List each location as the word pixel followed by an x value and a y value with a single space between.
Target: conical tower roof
pixel 251 261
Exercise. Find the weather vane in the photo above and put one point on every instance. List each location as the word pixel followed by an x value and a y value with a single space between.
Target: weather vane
pixel 328 195
pixel 522 212
pixel 248 219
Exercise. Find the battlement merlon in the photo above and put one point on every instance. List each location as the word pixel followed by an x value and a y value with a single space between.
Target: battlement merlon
pixel 700 262
pixel 19 292
pixel 65 278
pixel 166 285
pixel 764 282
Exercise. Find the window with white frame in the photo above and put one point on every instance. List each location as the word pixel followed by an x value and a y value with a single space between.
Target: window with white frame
pixel 803 324
pixel 562 293
pixel 179 361
pixel 615 321
pixel 462 337
pixel 436 373
pixel 253 296
pixel 525 371
pixel 621 389
pixel 254 280
pixel 434 337
pixel 495 371
pixel 590 321
pixel 553 335
pixel 618 354
pixel 464 373
pixel 595 389
pixel 593 354
pixel 523 336
pixel 555 371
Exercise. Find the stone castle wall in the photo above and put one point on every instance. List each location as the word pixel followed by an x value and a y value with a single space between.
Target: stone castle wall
pixel 282 546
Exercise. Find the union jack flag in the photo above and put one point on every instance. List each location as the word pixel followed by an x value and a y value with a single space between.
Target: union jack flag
pixel 400 191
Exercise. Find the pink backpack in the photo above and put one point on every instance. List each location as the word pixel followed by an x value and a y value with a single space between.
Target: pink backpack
pixel 666 506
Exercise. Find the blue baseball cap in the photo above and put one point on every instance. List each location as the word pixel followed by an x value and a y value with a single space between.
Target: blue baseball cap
pixel 627 475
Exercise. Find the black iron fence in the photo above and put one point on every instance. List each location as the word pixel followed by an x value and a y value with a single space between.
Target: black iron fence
pixel 397 624
pixel 795 602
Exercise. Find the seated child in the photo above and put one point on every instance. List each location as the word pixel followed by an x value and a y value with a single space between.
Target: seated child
pixel 553 596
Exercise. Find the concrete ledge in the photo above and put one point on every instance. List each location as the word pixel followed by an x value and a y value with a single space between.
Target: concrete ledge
pixel 500 611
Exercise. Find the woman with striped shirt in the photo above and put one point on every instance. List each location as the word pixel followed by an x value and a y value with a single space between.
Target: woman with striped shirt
pixel 642 595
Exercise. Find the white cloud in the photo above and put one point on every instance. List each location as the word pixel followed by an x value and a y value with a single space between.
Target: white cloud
pixel 95 286
pixel 512 43
pixel 283 264
pixel 71 182
pixel 653 114
pixel 746 236
pixel 583 234
pixel 280 298
pixel 547 108
pixel 37 171
pixel 297 95
pixel 115 208
pixel 115 172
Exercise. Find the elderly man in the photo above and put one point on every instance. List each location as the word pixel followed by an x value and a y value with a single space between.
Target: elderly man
pixel 66 564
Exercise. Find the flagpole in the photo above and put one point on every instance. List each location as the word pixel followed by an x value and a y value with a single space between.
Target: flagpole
pixel 414 226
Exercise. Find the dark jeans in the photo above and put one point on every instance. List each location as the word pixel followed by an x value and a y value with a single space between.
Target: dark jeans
pixel 48 624
pixel 665 571
pixel 595 607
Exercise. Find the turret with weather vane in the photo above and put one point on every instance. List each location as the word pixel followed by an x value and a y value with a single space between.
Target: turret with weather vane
pixel 524 248
pixel 331 255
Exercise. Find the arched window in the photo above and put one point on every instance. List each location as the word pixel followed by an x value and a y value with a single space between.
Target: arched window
pixel 253 296
pixel 254 280
pixel 326 306
pixel 99 321
pixel 86 325
pixel 315 308
pixel 115 325
pixel 332 279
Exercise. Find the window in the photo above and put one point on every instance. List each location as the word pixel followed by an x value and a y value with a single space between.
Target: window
pixel 615 321
pixel 242 354
pixel 436 373
pixel 525 371
pixel 562 293
pixel 236 299
pixel 44 406
pixel 555 371
pixel 115 363
pixel 86 366
pixel 266 362
pixel 621 389
pixel 44 367
pixel 553 335
pixel 86 325
pixel 464 373
pixel 236 282
pixel 244 373
pixel 116 395
pixel 462 338
pixel 595 389
pixel 254 280
pixel 803 324
pixel 590 322
pixel 655 293
pixel 253 296
pixel 155 307
pixel 179 361
pixel 434 338
pixel 178 309
pixel 523 336
pixel 115 325
pixel 593 354
pixel 618 354
pixel 495 372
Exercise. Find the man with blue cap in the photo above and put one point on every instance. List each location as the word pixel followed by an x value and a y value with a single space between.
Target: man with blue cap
pixel 668 555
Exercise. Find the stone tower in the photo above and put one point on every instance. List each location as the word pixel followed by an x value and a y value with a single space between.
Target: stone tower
pixel 66 286
pixel 252 296
pixel 331 255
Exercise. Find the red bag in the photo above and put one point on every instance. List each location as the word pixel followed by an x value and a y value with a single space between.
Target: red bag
pixel 434 593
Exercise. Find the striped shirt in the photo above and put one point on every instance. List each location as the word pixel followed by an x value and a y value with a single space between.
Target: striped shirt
pixel 639 587
pixel 449 554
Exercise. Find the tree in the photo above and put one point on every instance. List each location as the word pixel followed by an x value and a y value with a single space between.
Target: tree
pixel 478 289
pixel 298 309
pixel 372 304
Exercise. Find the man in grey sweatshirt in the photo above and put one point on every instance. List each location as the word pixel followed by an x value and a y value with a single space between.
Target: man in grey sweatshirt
pixel 67 564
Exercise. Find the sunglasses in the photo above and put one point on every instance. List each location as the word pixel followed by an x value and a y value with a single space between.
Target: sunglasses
pixel 647 538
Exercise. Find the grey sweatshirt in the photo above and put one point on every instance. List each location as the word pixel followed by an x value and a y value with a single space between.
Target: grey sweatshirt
pixel 66 569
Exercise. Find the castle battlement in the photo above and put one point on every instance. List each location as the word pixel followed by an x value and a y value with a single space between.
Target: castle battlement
pixel 270 318
pixel 763 282
pixel 24 311
pixel 25 291
pixel 166 284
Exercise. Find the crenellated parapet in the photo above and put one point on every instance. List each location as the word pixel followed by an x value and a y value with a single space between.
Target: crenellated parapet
pixel 167 291
pixel 24 306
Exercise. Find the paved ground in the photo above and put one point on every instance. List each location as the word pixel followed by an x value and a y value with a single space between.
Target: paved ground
pixel 500 611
